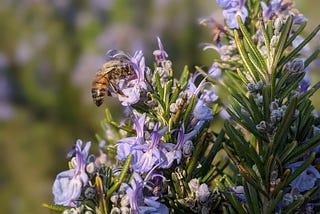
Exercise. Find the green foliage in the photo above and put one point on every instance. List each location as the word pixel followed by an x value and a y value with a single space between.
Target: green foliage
pixel 258 144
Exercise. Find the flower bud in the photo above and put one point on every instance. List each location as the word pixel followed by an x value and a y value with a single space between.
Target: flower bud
pixel 89 193
pixel 194 185
pixel 115 210
pixel 262 126
pixel 277 25
pixel 125 210
pixel 297 65
pixel 90 168
pixel 125 201
pixel 188 148
pixel 274 41
pixel 287 199
pixel 203 193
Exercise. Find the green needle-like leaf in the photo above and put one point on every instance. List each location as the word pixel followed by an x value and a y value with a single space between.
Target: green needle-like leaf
pixel 58 208
pixel 286 152
pixel 296 33
pixel 303 149
pixel 294 52
pixel 253 48
pixel 244 56
pixel 189 109
pixel 274 203
pixel 158 85
pixel 297 203
pixel 311 58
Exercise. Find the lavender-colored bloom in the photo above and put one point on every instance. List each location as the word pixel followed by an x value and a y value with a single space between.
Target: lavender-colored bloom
pixel 304 84
pixel 68 184
pixel 232 9
pixel 215 71
pixel 282 9
pixel 160 55
pixel 231 16
pixel 239 192
pixel 175 151
pixel 228 4
pixel 140 203
pixel 192 89
pixel 306 180
pixel 209 96
pixel 124 145
pixel 148 154
pixel 131 95
pixel 202 111
pixel 131 88
pixel 203 193
pixel 273 8
pixel 153 206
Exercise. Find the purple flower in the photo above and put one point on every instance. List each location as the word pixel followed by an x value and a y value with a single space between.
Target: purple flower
pixel 203 193
pixel 68 184
pixel 228 4
pixel 215 71
pixel 231 9
pixel 202 111
pixel 124 145
pixel 282 9
pixel 231 16
pixel 160 55
pixel 140 203
pixel 148 154
pixel 273 8
pixel 239 192
pixel 175 151
pixel 131 87
pixel 307 179
pixel 304 84
pixel 192 89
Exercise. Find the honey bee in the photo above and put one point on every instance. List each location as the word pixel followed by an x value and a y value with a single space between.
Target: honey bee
pixel 108 78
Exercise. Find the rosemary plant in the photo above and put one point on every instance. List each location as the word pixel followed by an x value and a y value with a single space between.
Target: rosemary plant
pixel 166 157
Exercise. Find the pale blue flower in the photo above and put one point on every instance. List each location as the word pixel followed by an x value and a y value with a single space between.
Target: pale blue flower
pixel 131 88
pixel 228 4
pixel 231 16
pixel 209 96
pixel 139 203
pixel 304 84
pixel 68 184
pixel 203 193
pixel 231 9
pixel 307 179
pixel 202 111
pixel 175 151
pixel 148 154
pixel 124 145
pixel 280 8
pixel 215 71
pixel 239 192
pixel 160 55
pixel 131 95
pixel 192 89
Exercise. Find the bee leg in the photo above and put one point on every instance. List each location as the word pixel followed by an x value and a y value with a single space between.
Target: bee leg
pixel 116 90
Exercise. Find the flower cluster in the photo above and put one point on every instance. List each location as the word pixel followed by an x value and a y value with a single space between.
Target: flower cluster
pixel 163 156
pixel 159 141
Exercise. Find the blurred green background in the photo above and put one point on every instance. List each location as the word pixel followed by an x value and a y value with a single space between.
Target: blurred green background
pixel 49 53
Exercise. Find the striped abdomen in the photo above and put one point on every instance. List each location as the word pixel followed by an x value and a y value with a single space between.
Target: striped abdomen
pixel 99 89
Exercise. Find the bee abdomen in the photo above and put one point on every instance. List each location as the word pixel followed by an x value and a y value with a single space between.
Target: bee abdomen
pixel 98 95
